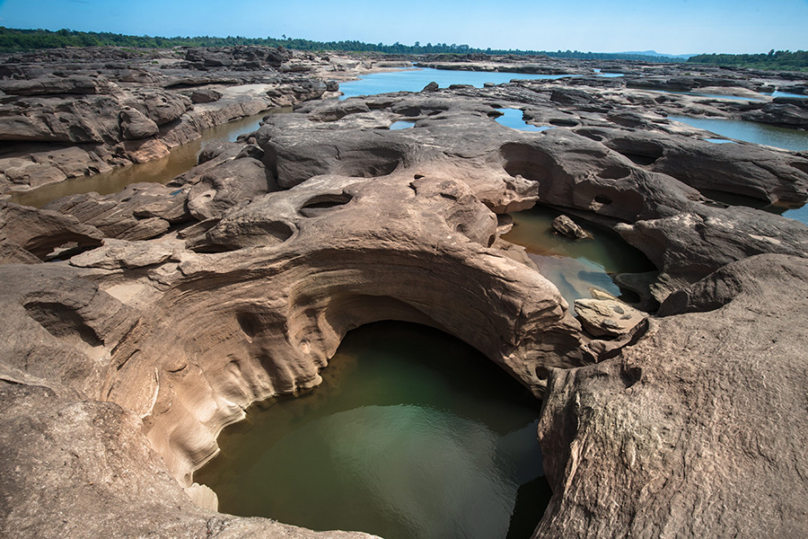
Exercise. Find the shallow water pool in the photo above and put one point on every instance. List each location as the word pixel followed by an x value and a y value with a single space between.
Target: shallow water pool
pixel 181 159
pixel 414 80
pixel 575 266
pixel 513 118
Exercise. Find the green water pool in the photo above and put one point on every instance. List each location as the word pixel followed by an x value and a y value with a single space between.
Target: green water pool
pixel 575 266
pixel 413 434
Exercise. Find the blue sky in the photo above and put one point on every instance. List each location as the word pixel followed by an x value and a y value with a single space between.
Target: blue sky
pixel 674 27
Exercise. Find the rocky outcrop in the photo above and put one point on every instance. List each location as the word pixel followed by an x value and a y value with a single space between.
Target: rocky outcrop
pixel 136 125
pixel 230 184
pixel 205 96
pixel 741 169
pixel 782 111
pixel 607 317
pixel 569 228
pixel 631 182
pixel 688 83
pixel 243 57
pixel 29 236
pixel 692 431
pixel 185 341
pixel 116 485
pixel 715 95
pixel 52 85
pixel 139 212
pixel 689 246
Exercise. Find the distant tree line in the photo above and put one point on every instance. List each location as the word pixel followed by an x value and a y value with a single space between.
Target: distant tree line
pixel 780 60
pixel 14 40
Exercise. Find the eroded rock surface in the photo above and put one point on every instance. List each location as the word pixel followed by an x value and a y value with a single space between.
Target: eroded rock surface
pixel 694 430
pixel 593 172
pixel 184 341
pixel 181 305
pixel 38 233
pixel 82 468
pixel 607 317
pixel 82 112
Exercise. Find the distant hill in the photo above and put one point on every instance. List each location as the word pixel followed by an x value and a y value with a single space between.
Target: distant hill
pixel 655 53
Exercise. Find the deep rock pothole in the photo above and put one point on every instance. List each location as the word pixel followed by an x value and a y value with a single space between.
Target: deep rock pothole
pixel 381 437
pixel 579 268
pixel 527 161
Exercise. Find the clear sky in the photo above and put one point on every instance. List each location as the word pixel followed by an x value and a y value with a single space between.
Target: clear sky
pixel 673 26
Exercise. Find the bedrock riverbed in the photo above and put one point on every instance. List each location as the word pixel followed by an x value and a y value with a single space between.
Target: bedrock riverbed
pixel 170 309
pixel 78 112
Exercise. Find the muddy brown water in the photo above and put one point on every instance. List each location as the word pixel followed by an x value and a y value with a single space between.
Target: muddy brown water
pixel 181 159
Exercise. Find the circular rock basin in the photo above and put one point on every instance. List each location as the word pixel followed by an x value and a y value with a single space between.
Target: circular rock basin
pixel 413 434
pixel 575 266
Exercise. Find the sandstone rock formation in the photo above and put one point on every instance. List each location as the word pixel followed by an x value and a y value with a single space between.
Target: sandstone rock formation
pixel 692 431
pixel 594 171
pixel 607 317
pixel 173 308
pixel 29 236
pixel 82 468
pixel 149 329
pixel 69 117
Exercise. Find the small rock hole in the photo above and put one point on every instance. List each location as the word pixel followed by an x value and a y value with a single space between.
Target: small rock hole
pixel 323 203
pixel 631 375
pixel 602 199
pixel 614 173
pixel 560 122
